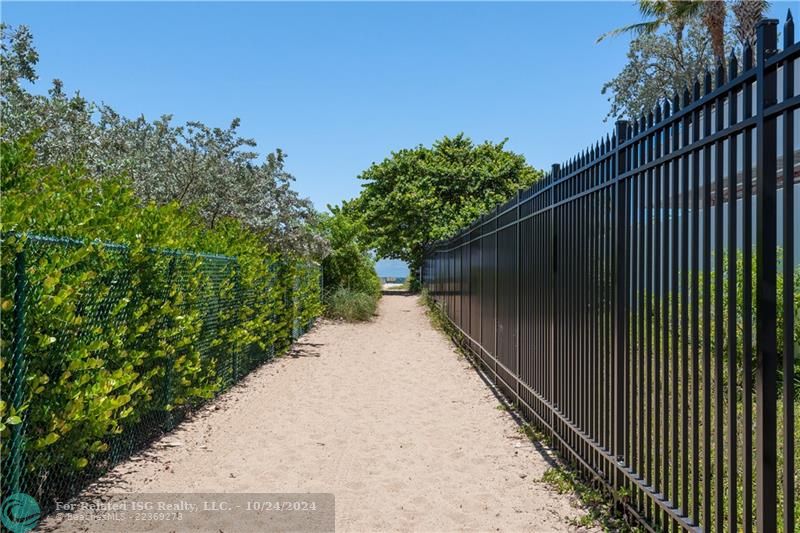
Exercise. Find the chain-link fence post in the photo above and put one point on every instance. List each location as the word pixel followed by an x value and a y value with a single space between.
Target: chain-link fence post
pixel 234 316
pixel 297 271
pixel 168 420
pixel 18 371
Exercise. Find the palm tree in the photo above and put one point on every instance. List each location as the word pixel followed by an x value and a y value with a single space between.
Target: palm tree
pixel 713 13
pixel 677 13
pixel 672 13
pixel 748 13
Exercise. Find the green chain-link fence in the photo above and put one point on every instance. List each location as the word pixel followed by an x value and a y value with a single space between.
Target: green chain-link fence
pixel 105 346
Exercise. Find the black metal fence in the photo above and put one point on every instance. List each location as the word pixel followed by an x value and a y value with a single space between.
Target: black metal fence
pixel 638 303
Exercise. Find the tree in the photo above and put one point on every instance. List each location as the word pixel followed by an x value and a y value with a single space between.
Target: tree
pixel 747 14
pixel 215 171
pixel 658 66
pixel 678 42
pixel 672 13
pixel 349 264
pixel 420 195
pixel 677 14
pixel 714 13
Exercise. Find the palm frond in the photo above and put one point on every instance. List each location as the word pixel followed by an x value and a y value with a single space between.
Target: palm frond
pixel 639 28
pixel 686 9
pixel 654 8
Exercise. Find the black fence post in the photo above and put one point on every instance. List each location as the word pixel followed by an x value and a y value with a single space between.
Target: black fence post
pixel 766 265
pixel 18 370
pixel 518 230
pixel 496 272
pixel 620 299
pixel 555 174
pixel 789 286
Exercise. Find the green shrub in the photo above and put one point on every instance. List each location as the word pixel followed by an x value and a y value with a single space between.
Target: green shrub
pixel 349 264
pixel 118 336
pixel 350 305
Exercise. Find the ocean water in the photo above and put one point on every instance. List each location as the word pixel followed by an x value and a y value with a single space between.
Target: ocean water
pixel 391 268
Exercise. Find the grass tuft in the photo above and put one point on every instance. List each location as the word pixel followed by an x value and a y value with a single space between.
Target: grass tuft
pixel 596 501
pixel 350 305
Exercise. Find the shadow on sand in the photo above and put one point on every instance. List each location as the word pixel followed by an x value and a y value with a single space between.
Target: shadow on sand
pixel 397 292
pixel 304 349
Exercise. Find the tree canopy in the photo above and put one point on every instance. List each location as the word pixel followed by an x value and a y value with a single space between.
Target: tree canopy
pixel 349 264
pixel 659 66
pixel 674 46
pixel 420 195
pixel 213 170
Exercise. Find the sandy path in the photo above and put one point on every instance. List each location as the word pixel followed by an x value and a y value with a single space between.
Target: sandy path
pixel 385 415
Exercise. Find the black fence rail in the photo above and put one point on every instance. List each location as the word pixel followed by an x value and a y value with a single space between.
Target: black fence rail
pixel 639 302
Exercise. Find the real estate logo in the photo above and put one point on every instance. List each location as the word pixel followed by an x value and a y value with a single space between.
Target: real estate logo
pixel 20 513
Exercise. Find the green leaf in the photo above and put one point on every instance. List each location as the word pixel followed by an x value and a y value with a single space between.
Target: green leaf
pixel 50 282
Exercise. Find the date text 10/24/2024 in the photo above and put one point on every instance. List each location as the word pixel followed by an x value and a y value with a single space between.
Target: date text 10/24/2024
pixel 185 506
pixel 313 512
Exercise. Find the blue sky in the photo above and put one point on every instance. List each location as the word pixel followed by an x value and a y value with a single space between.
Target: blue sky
pixel 340 85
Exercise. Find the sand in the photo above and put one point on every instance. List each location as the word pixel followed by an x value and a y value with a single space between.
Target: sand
pixel 385 415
